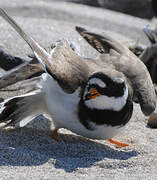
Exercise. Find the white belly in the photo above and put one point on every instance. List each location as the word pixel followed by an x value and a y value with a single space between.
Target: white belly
pixel 102 132
pixel 62 107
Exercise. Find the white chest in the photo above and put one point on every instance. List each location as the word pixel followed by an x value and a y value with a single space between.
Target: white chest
pixel 62 107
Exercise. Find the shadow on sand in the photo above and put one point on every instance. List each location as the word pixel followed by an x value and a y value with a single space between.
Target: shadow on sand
pixel 30 147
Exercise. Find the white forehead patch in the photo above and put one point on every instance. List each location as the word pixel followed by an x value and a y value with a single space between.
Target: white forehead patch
pixel 118 80
pixel 97 81
pixel 108 103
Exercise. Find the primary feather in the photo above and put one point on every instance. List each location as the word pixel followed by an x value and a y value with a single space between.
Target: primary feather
pixel 22 108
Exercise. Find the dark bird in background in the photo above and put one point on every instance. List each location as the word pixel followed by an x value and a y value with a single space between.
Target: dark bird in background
pixel 154 6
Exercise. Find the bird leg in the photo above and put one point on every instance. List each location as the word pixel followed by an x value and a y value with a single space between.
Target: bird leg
pixel 119 144
pixel 54 135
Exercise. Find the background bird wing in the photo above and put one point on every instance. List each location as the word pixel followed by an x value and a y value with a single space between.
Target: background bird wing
pixel 127 63
pixel 62 63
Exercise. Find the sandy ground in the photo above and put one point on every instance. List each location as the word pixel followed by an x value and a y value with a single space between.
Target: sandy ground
pixel 30 152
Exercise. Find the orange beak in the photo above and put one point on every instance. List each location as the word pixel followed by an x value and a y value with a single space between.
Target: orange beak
pixel 93 93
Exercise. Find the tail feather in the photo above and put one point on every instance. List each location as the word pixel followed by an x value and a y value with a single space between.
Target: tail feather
pixel 8 108
pixel 22 109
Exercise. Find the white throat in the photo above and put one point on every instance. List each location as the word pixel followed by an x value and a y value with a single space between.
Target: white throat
pixel 108 103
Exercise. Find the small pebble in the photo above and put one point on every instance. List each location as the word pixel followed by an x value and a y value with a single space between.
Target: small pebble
pixel 152 121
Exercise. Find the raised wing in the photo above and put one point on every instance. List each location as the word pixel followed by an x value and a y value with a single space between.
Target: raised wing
pixel 63 64
pixel 102 44
pixel 127 63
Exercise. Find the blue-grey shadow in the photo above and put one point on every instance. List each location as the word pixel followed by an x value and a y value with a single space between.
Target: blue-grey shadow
pixel 30 147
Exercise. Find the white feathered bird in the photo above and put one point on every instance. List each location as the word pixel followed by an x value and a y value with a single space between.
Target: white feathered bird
pixel 93 98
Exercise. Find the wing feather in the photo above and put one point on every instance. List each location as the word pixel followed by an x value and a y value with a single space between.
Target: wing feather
pixel 126 62
pixel 63 64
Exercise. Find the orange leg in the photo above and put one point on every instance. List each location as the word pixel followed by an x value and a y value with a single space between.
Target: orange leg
pixel 54 135
pixel 119 144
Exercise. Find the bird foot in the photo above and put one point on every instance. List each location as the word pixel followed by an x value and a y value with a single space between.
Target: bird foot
pixel 118 144
pixel 55 136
